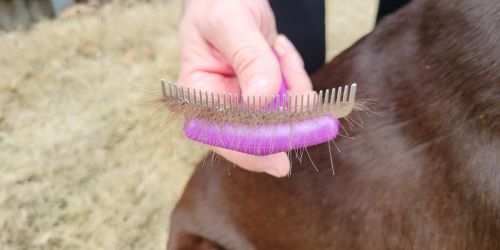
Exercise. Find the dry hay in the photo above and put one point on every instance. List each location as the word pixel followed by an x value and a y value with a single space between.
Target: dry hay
pixel 84 163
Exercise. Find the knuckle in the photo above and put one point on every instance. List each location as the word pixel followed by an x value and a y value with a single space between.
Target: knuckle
pixel 219 14
pixel 245 57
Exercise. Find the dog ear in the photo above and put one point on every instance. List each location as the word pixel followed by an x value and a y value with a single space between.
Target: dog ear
pixel 188 241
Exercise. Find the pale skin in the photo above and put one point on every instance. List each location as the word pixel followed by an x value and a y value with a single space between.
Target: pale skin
pixel 227 47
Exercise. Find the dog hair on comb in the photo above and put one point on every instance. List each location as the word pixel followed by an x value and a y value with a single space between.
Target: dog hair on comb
pixel 260 125
pixel 338 102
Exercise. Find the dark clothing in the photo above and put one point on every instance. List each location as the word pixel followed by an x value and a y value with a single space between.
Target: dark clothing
pixel 303 22
pixel 387 7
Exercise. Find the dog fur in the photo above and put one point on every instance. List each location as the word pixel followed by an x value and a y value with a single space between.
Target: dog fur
pixel 423 171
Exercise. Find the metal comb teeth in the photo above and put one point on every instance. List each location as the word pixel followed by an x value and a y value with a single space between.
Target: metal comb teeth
pixel 337 101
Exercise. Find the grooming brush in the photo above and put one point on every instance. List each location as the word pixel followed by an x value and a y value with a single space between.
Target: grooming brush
pixel 260 125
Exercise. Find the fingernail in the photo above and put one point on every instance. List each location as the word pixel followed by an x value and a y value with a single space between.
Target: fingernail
pixel 280 45
pixel 257 85
pixel 283 46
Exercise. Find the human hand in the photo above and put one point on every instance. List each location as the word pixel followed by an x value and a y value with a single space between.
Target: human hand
pixel 227 47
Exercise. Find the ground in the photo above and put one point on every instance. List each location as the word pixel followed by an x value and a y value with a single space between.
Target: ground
pixel 87 161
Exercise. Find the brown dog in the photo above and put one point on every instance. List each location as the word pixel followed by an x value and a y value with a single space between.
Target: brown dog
pixel 423 171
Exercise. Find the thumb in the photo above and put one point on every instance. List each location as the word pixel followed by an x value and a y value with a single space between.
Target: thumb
pixel 257 69
pixel 250 55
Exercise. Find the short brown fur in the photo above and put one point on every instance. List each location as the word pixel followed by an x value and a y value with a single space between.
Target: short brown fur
pixel 422 173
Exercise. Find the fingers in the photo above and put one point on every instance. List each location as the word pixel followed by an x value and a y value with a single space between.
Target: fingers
pixel 230 50
pixel 298 81
pixel 242 43
pixel 292 66
pixel 210 82
pixel 202 66
pixel 277 165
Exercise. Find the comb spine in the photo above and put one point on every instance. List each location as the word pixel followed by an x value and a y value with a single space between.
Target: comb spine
pixel 242 104
pixel 339 96
pixel 254 107
pixel 283 101
pixel 301 103
pixel 236 102
pixel 183 95
pixel 200 103
pixel 332 100
pixel 195 98
pixel 288 100
pixel 308 100
pixel 294 104
pixel 176 92
pixel 225 103
pixel 278 104
pixel 230 102
pixel 163 88
pixel 325 104
pixel 260 103
pixel 248 103
pixel 266 105
pixel 352 94
pixel 320 103
pixel 315 101
pixel 344 96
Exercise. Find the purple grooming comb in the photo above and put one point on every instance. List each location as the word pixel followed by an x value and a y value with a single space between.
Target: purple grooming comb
pixel 264 139
pixel 319 126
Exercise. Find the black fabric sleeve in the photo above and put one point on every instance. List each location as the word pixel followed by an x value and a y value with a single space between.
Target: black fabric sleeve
pixel 303 22
pixel 387 7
